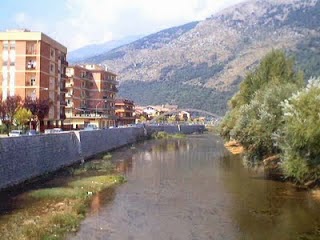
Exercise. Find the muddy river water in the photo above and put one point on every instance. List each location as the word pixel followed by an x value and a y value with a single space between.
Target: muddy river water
pixel 190 189
pixel 194 189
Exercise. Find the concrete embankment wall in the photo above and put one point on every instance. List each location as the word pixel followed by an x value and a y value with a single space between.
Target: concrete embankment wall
pixel 26 157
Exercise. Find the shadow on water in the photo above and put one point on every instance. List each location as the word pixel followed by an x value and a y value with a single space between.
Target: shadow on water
pixel 194 189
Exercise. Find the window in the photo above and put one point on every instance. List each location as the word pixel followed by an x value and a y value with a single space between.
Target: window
pixel 5 63
pixel 12 63
pixel 51 52
pixel 51 67
pixel 5 46
pixel 32 82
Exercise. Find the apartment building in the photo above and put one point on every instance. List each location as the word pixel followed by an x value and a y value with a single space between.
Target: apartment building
pixel 91 92
pixel 34 65
pixel 124 110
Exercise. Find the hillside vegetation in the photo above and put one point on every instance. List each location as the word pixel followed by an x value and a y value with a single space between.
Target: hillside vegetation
pixel 274 115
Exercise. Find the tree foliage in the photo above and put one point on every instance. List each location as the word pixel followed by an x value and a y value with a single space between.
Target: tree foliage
pixel 39 109
pixel 299 138
pixel 256 109
pixel 275 69
pixel 22 117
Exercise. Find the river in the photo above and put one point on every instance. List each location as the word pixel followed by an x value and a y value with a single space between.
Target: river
pixel 184 189
pixel 194 189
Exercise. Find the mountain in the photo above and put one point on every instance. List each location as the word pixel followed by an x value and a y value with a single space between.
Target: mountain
pixel 201 64
pixel 91 50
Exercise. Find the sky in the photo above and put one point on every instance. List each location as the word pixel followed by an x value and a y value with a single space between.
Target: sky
pixel 76 23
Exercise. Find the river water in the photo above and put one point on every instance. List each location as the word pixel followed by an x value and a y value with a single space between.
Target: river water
pixel 193 189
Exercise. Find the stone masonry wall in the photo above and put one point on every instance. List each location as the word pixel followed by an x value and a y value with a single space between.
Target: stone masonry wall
pixel 26 157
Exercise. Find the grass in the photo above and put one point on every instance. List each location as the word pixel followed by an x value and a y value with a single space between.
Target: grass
pixel 55 211
pixel 164 135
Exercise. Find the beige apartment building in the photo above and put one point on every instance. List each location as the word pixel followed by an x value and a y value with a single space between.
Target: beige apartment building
pixel 34 65
pixel 91 92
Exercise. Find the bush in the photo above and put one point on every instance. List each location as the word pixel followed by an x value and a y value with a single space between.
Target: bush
pixel 299 138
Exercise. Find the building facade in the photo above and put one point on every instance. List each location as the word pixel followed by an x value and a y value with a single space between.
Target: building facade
pixel 34 65
pixel 124 111
pixel 91 92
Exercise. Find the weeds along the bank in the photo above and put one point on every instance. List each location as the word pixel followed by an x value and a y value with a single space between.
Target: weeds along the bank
pixel 54 212
pixel 165 135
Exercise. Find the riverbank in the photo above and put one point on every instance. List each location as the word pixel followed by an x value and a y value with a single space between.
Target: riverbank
pixel 52 211
pixel 234 147
pixel 272 169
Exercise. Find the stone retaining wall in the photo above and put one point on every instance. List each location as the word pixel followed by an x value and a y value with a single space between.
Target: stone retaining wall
pixel 26 157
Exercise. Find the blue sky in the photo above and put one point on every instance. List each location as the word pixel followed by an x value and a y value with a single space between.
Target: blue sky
pixel 76 23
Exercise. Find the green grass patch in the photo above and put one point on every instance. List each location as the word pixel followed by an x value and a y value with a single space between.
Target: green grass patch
pixel 164 135
pixel 105 166
pixel 56 193
pixel 107 156
pixel 97 183
pixel 58 210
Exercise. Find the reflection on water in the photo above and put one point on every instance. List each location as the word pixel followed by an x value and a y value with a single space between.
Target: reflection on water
pixel 194 189
pixel 191 189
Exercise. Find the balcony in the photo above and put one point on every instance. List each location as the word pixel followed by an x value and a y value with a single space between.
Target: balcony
pixel 68 85
pixel 31 65
pixel 69 95
pixel 70 105
pixel 31 51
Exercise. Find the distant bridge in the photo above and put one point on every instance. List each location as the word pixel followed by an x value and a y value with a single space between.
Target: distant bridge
pixel 217 117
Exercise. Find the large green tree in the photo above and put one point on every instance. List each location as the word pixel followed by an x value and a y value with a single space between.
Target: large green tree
pixel 275 69
pixel 256 112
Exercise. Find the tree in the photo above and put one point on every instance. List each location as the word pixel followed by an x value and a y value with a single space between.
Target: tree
pixel 39 109
pixel 22 117
pixel 142 119
pixel 12 104
pixel 299 138
pixel 275 68
pixel 256 111
pixel 3 114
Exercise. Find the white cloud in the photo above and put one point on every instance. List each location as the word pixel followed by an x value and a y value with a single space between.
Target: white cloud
pixel 92 21
pixel 23 20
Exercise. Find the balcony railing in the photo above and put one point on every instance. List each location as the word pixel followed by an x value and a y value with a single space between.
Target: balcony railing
pixel 70 105
pixel 31 52
pixel 31 65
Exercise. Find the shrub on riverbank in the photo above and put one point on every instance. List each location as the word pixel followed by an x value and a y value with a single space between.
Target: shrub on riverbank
pixel 269 116
pixel 299 138
pixel 165 135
